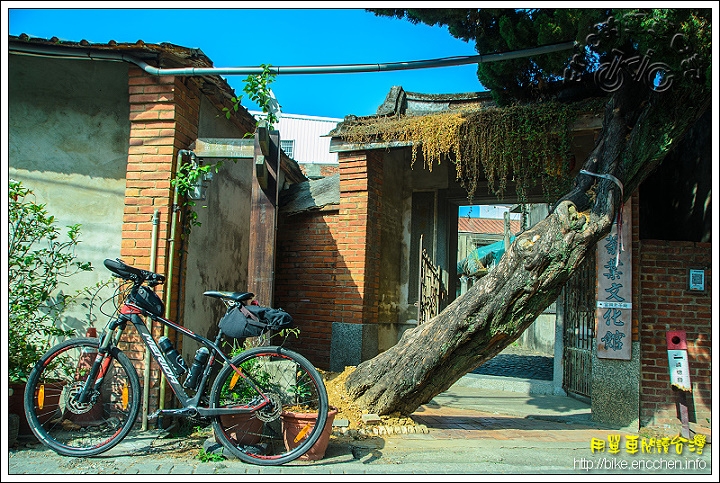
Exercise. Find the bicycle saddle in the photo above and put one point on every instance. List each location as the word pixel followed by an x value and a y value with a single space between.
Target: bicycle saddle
pixel 235 296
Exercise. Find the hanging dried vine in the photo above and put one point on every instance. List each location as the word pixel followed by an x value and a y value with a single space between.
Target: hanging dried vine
pixel 524 144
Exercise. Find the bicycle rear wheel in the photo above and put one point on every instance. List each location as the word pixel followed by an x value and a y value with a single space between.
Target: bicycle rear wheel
pixel 71 428
pixel 291 383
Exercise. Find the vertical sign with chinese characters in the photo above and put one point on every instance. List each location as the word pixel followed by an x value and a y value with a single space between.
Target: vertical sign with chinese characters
pixel 613 315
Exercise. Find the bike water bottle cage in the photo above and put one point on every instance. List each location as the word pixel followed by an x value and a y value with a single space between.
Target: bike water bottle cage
pixel 122 270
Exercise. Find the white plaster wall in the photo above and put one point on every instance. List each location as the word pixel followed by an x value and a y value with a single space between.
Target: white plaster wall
pixel 68 131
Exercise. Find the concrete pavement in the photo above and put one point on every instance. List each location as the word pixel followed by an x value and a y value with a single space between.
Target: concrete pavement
pixel 471 432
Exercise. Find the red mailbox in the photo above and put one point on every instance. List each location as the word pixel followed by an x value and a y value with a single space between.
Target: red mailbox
pixel 678 360
pixel 676 340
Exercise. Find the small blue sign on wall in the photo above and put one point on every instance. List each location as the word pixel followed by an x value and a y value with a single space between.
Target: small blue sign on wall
pixel 697 279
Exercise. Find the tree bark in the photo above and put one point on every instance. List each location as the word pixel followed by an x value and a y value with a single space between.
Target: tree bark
pixel 496 311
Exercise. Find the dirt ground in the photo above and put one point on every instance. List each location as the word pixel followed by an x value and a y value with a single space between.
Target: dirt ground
pixel 338 398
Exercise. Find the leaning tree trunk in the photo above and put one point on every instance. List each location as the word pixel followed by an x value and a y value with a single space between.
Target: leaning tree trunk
pixel 494 312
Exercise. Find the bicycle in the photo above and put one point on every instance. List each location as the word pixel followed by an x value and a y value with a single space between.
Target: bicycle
pixel 82 398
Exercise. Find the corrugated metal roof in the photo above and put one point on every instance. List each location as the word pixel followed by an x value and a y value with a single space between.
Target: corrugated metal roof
pixel 309 133
pixel 485 225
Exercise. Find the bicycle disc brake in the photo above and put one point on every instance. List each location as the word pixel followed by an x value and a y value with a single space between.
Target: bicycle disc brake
pixel 71 402
pixel 271 411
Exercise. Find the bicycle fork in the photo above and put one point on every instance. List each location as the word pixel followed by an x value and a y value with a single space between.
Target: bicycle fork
pixel 99 368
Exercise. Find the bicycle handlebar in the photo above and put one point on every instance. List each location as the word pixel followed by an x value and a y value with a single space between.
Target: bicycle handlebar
pixel 138 276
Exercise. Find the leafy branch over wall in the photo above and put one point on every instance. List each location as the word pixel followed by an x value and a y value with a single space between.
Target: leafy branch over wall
pixel 189 175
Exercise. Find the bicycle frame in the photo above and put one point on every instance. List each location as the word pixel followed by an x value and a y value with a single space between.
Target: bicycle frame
pixel 109 338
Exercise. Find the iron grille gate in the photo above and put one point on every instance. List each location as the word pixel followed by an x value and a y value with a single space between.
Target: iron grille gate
pixel 430 290
pixel 579 329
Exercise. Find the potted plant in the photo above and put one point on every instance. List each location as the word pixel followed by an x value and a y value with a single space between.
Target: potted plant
pixel 300 418
pixel 38 261
pixel 237 391
pixel 297 423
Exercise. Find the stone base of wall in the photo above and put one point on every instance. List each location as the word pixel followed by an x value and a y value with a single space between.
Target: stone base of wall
pixel 615 396
pixel 351 344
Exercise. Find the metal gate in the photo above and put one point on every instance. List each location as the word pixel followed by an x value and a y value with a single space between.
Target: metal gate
pixel 579 329
pixel 430 288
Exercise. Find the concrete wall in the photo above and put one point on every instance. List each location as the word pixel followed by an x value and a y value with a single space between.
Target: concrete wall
pixel 217 257
pixel 68 133
pixel 394 246
pixel 540 336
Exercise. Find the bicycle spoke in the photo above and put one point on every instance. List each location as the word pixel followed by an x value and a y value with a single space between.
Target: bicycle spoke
pixel 55 413
pixel 291 384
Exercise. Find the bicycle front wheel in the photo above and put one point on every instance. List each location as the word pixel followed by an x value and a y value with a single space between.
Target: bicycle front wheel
pixel 268 436
pixel 72 428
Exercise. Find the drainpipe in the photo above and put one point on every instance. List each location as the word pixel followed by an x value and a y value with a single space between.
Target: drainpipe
pixel 169 279
pixel 146 375
pixel 316 69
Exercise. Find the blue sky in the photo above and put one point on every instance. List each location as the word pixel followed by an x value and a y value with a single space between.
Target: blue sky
pixel 233 37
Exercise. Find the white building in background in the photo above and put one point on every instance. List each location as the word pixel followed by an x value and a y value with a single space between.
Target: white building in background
pixel 303 139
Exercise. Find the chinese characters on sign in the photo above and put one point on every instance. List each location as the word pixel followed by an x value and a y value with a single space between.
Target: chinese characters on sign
pixel 636 445
pixel 613 315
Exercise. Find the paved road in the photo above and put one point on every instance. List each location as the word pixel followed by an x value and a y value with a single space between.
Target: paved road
pixel 471 432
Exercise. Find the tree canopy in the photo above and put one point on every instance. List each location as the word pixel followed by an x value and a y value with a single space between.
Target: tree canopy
pixel 653 68
pixel 679 38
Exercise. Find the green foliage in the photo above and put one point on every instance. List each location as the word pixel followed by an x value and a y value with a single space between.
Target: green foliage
pixel 257 87
pixel 206 457
pixel 285 333
pixel 38 261
pixel 187 178
pixel 679 37
pixel 237 390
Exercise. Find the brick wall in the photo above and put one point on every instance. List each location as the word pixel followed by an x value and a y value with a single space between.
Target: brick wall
pixel 324 170
pixel 306 279
pixel 327 268
pixel 667 304
pixel 164 114
pixel 359 247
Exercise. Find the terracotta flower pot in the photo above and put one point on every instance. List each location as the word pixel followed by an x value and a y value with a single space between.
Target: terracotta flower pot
pixel 16 405
pixel 295 423
pixel 242 428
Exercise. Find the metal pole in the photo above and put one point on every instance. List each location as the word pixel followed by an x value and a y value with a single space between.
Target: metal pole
pixel 146 375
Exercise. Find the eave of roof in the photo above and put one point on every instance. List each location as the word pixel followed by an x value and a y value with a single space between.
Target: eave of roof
pixel 167 55
pixel 162 55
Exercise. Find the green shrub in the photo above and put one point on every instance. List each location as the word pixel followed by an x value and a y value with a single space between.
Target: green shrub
pixel 39 259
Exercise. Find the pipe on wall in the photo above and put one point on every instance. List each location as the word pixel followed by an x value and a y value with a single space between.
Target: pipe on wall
pixel 146 374
pixel 309 69
pixel 175 210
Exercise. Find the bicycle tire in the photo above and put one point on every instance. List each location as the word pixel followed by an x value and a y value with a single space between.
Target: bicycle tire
pixel 291 382
pixel 70 428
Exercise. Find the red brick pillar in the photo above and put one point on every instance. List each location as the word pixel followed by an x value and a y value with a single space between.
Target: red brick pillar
pixel 164 112
pixel 357 231
pixel 359 245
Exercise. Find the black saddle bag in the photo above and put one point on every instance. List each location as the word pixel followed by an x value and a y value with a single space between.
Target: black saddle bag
pixel 252 320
